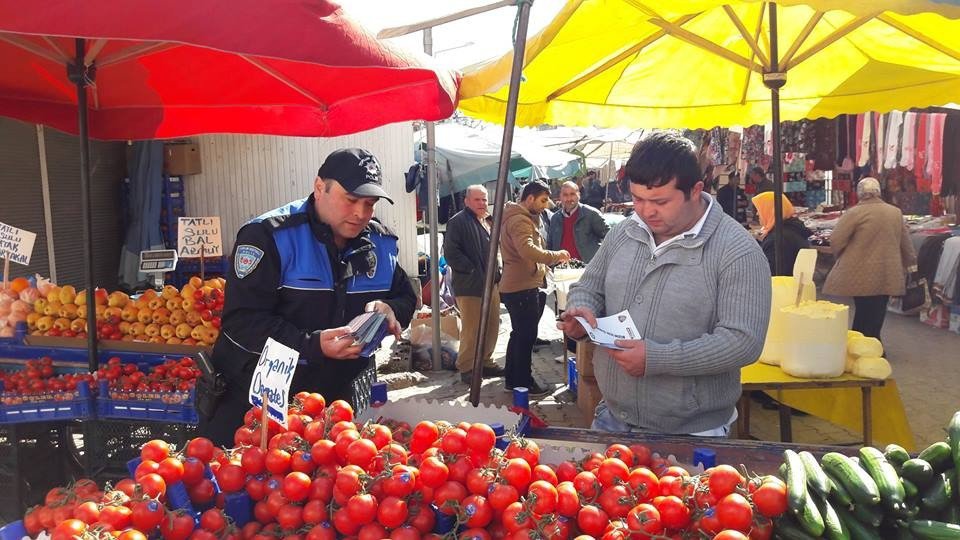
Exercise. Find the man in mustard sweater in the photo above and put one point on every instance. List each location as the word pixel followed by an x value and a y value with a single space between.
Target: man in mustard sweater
pixel 525 263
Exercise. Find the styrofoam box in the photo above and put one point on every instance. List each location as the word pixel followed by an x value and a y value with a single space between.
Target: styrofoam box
pixel 413 410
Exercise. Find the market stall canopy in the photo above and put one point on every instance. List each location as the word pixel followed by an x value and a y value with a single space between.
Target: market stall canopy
pixel 468 156
pixel 701 63
pixel 186 67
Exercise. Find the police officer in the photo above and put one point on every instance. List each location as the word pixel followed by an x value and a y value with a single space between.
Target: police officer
pixel 300 273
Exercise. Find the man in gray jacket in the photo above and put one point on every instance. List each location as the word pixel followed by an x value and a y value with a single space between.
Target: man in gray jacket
pixel 465 246
pixel 696 285
pixel 577 228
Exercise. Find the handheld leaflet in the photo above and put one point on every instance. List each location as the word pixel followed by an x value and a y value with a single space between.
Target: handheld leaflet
pixel 609 329
pixel 272 378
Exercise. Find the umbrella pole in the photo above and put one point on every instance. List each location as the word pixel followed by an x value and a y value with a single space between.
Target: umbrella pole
pixel 434 218
pixel 519 49
pixel 81 76
pixel 774 80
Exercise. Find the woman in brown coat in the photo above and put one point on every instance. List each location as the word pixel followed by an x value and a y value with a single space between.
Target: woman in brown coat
pixel 873 251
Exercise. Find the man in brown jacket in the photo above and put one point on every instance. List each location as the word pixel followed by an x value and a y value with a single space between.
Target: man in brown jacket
pixel 873 250
pixel 525 263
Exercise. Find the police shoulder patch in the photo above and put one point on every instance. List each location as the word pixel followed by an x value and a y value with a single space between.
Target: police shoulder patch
pixel 246 260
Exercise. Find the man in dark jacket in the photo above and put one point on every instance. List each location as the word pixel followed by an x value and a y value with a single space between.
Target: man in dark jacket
pixel 575 227
pixel 465 246
pixel 300 273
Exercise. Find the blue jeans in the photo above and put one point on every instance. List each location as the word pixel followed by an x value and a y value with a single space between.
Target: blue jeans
pixel 524 309
pixel 605 420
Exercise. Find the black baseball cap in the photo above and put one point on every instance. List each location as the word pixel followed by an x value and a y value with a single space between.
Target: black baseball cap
pixel 357 170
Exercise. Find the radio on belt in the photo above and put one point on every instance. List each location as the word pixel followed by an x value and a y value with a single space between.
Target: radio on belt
pixel 158 262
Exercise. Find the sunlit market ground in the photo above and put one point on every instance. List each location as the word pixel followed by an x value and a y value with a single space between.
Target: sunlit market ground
pixel 925 360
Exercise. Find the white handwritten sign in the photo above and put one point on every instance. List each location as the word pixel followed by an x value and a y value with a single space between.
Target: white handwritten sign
pixel 272 377
pixel 196 234
pixel 16 244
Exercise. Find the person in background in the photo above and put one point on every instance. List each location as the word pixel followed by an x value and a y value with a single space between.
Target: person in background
pixel 575 227
pixel 300 273
pixel 760 180
pixel 796 235
pixel 732 199
pixel 697 286
pixel 591 192
pixel 465 246
pixel 525 263
pixel 873 252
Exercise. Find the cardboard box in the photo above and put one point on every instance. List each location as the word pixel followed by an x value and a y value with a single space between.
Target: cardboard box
pixel 585 358
pixel 588 395
pixel 449 325
pixel 179 159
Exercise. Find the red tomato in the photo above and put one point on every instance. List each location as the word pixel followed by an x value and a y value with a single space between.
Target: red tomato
pixel 339 410
pixel 588 486
pixel 546 473
pixel 348 479
pixel 152 485
pixel 323 452
pixel 568 500
pixel 674 514
pixel 481 438
pixel 734 512
pixel 644 483
pixel 202 492
pixel 145 467
pixel 621 452
pixel 730 535
pixel 132 534
pixel 477 510
pixel 542 497
pixel 296 486
pixel 566 471
pixel 290 517
pixel 525 449
pixel 87 512
pixel 449 491
pixel 69 529
pixel 213 520
pixel 591 462
pixel 454 441
pixel 201 448
pixel 277 461
pixel 171 469
pixel 646 518
pixel 517 473
pixel 433 472
pixel 724 480
pixel 592 520
pixel 642 455
pixel 359 452
pixel 155 450
pixel 502 495
pixel 192 471
pixel 515 517
pixel 146 515
pixel 402 481
pixel 478 482
pixel 616 501
pixel 612 471
pixel 231 478
pixel 117 517
pixel 253 460
pixel 422 518
pixel 762 529
pixel 362 508
pixel 314 512
pixel 770 499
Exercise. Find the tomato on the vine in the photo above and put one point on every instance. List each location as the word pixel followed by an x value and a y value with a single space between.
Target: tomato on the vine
pixel 723 480
pixel 770 499
pixel 734 512
pixel 674 514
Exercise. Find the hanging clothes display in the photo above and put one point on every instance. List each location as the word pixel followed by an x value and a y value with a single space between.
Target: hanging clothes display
pixel 879 141
pixel 751 148
pixel 892 149
pixel 864 126
pixel 920 159
pixel 950 152
pixel 907 149
pixel 934 166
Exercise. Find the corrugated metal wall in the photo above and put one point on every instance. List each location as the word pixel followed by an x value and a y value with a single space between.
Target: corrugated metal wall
pixel 247 175
pixel 22 201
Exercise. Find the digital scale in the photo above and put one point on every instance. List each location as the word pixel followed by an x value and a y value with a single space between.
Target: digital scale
pixel 158 262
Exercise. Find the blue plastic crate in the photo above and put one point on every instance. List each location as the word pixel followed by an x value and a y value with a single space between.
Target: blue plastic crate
pixel 78 408
pixel 183 412
pixel 572 374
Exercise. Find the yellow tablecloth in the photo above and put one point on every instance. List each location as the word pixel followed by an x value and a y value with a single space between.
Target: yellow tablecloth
pixel 842 406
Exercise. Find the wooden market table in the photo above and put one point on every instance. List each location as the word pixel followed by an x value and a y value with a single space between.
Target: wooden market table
pixel 774 381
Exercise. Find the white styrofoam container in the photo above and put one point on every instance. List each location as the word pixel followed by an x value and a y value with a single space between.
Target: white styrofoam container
pixel 413 410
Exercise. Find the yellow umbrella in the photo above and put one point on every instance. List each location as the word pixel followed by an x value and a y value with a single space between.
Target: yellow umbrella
pixel 701 63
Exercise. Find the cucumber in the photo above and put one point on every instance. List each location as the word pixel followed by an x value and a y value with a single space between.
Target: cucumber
pixel 934 530
pixel 939 493
pixel 888 482
pixel 951 514
pixel 896 454
pixel 857 482
pixel 953 437
pixel 833 527
pixel 796 480
pixel 869 515
pixel 917 471
pixel 909 489
pixel 816 478
pixel 938 455
pixel 838 493
pixel 858 531
pixel 788 530
pixel 809 517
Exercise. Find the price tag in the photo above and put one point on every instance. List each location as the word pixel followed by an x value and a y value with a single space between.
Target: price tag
pixel 272 379
pixel 199 236
pixel 16 244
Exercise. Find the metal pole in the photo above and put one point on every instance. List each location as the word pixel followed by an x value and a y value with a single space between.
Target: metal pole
pixel 81 76
pixel 434 219
pixel 774 80
pixel 519 49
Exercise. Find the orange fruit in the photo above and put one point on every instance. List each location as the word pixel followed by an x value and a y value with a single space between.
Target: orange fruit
pixel 19 284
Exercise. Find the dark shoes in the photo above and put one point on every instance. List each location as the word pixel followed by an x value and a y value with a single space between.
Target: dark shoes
pixel 534 389
pixel 488 372
pixel 541 343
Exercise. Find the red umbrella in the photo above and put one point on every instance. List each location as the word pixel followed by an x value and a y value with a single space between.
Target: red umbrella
pixel 151 69
pixel 184 67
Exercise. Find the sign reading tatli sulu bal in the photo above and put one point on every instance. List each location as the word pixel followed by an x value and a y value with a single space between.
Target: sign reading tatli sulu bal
pixel 199 236
pixel 16 244
pixel 272 378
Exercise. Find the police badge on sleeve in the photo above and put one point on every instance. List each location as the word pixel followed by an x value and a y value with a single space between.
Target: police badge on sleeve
pixel 246 260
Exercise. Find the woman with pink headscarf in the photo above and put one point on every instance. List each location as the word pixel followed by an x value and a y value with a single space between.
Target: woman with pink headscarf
pixel 796 236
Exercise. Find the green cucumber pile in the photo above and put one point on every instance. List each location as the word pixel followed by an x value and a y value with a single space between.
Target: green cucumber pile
pixel 876 495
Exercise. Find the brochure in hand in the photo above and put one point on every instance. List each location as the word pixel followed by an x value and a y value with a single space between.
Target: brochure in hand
pixel 368 329
pixel 609 329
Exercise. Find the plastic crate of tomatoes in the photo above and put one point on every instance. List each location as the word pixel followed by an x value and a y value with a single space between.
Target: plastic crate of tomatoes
pixel 37 393
pixel 164 393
